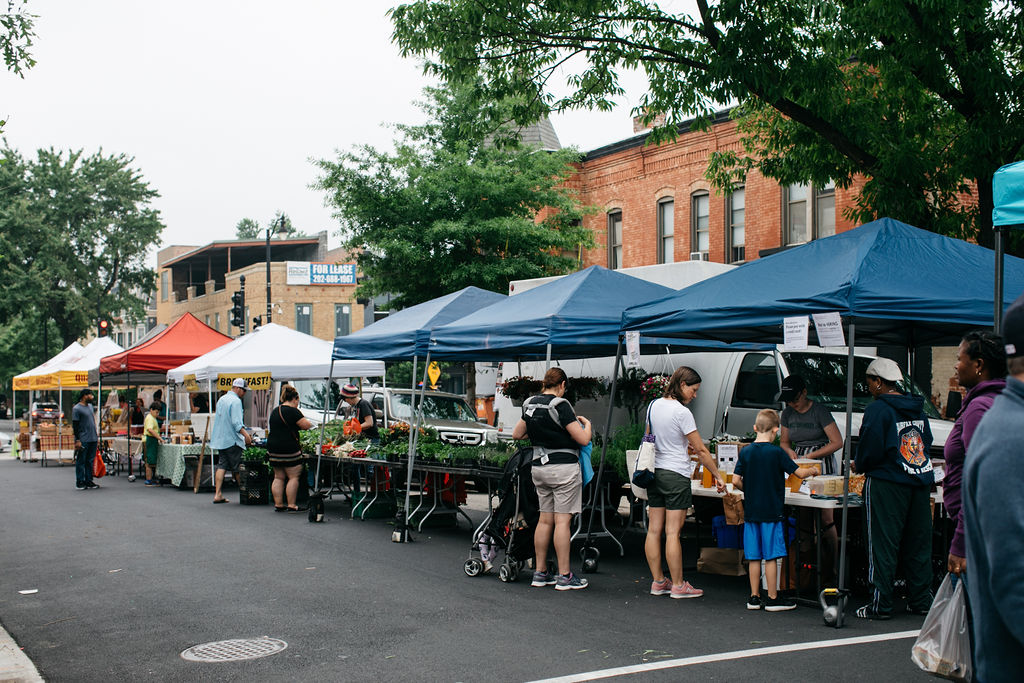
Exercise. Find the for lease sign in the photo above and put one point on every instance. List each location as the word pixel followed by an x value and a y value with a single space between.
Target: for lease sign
pixel 312 273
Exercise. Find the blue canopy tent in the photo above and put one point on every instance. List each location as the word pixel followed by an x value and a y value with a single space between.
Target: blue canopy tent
pixel 891 284
pixel 405 335
pixel 576 316
pixel 1007 212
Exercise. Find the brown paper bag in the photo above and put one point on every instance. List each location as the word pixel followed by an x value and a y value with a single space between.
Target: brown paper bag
pixel 733 505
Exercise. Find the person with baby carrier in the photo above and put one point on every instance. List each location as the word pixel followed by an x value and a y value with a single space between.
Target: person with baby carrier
pixel 556 434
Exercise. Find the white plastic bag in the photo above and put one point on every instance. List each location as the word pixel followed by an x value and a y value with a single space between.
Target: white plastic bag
pixel 943 647
pixel 631 458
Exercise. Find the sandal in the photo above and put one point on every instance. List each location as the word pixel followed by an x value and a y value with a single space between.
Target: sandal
pixel 293 510
pixel 218 502
pixel 279 509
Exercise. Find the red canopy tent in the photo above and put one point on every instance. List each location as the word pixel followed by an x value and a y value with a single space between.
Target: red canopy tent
pixel 148 362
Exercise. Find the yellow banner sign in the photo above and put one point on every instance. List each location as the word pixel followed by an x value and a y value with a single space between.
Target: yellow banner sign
pixel 191 385
pixel 254 380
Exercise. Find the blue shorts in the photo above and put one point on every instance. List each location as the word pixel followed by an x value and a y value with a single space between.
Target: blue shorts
pixel 763 541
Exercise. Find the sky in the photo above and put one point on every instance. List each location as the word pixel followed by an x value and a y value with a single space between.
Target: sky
pixel 222 103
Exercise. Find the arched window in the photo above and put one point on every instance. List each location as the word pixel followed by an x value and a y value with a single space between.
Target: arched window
pixel 735 221
pixel 615 239
pixel 700 212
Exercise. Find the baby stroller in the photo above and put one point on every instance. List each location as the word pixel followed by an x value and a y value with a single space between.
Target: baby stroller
pixel 511 524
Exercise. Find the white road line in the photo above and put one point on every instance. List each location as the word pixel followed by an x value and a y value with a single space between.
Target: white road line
pixel 725 656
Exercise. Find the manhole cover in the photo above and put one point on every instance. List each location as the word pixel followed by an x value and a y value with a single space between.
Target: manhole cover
pixel 234 650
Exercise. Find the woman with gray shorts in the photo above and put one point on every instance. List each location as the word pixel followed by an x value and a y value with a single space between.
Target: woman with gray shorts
pixel 556 434
pixel 675 434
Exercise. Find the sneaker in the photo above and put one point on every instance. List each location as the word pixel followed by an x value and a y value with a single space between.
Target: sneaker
pixel 754 602
pixel 79 487
pixel 92 485
pixel 663 587
pixel 541 579
pixel 869 612
pixel 570 582
pixel 778 604
pixel 686 591
pixel 150 482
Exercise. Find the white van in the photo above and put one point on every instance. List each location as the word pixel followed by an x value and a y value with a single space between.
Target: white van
pixel 735 386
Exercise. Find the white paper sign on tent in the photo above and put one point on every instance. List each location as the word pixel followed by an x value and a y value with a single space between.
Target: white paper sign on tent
pixel 795 333
pixel 728 455
pixel 829 328
pixel 632 349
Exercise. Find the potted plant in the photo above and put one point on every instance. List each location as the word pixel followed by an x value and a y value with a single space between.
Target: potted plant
pixel 254 477
pixel 518 389
pixel 653 387
pixel 584 388
pixel 629 392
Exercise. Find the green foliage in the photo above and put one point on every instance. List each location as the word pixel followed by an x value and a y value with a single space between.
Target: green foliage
pixel 255 454
pixel 74 231
pixel 248 229
pixel 458 203
pixel 625 438
pixel 400 374
pixel 920 98
pixel 16 36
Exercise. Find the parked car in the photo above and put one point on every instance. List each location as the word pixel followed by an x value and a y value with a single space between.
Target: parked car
pixel 46 411
pixel 449 414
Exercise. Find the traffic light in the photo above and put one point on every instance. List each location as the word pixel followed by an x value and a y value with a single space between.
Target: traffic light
pixel 104 328
pixel 238 309
pixel 257 321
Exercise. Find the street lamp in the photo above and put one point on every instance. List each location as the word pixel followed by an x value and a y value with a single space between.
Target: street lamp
pixel 279 228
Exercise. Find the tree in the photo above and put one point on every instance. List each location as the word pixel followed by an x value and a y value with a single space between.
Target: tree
pixel 16 34
pixel 922 99
pixel 74 236
pixel 454 205
pixel 459 202
pixel 247 229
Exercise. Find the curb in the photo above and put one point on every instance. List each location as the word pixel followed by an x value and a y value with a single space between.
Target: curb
pixel 15 666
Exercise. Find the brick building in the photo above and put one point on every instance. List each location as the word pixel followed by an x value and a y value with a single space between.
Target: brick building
pixel 312 289
pixel 657 207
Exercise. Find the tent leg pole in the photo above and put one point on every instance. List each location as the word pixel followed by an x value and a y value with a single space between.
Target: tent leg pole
pixel 997 316
pixel 323 424
pixel 846 479
pixel 547 359
pixel 604 439
pixel 414 433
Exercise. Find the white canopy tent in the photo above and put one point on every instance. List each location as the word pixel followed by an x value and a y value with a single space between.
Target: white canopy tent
pixel 28 380
pixel 281 351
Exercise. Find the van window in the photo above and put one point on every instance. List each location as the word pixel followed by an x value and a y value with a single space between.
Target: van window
pixel 756 382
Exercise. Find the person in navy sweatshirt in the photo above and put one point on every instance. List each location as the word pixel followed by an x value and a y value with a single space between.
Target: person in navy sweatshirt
pixel 993 513
pixel 893 452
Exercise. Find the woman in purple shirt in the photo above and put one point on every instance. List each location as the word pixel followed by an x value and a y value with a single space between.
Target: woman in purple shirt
pixel 981 370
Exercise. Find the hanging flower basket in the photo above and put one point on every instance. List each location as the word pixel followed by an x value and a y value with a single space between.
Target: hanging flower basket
pixel 518 389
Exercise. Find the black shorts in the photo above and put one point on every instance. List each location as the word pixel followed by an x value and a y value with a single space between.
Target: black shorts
pixel 229 458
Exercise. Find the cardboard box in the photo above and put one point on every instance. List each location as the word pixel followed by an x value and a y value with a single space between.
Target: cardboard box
pixel 723 561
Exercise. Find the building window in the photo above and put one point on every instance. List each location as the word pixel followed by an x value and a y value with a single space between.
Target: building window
pixel 700 211
pixel 129 339
pixel 342 319
pixel 163 285
pixel 735 215
pixel 304 318
pixel 615 239
pixel 207 321
pixel 120 339
pixel 809 212
pixel 216 321
pixel 666 230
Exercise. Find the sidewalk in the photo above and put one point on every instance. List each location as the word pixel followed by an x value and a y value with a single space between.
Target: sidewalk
pixel 15 666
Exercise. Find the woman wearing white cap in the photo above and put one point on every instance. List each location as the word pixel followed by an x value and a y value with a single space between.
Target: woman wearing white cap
pixel 893 452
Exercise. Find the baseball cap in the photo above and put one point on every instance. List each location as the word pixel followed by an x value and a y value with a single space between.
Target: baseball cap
pixel 1013 328
pixel 886 369
pixel 792 385
pixel 84 392
pixel 349 391
pixel 240 383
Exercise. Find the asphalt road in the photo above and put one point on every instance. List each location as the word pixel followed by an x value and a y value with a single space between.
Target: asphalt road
pixel 128 577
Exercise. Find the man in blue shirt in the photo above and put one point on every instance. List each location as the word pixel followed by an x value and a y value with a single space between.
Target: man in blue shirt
pixel 83 423
pixel 229 436
pixel 993 511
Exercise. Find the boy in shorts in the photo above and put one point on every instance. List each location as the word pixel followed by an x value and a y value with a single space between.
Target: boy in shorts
pixel 761 475
pixel 151 435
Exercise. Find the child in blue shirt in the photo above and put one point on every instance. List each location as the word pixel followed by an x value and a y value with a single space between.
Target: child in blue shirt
pixel 761 475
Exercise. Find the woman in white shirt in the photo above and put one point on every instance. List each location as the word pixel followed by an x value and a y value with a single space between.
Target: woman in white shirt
pixel 669 497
